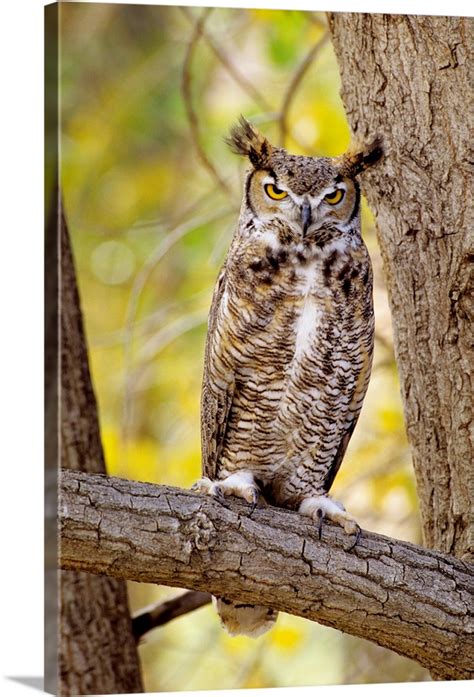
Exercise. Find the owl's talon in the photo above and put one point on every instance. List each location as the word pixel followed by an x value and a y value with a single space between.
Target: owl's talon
pixel 254 501
pixel 210 488
pixel 320 507
pixel 219 496
pixel 320 516
pixel 358 534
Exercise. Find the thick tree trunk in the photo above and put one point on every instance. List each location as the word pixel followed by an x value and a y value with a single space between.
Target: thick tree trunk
pixel 412 600
pixel 97 649
pixel 406 79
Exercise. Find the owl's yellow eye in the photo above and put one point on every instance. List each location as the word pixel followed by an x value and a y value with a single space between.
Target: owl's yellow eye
pixel 334 197
pixel 274 193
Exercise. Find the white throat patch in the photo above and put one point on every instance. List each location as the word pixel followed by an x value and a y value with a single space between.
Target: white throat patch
pixel 309 320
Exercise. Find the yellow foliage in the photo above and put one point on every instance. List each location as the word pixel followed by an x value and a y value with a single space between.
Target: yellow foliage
pixel 287 638
pixel 390 419
pixel 134 459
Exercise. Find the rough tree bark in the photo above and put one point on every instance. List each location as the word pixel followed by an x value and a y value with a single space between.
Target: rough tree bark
pixel 410 599
pixel 97 648
pixel 406 78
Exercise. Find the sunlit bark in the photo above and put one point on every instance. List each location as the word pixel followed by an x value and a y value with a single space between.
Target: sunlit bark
pixel 407 79
pixel 401 596
pixel 97 648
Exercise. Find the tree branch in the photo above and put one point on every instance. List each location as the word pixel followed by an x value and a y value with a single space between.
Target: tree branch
pixel 239 77
pixel 97 652
pixel 191 113
pixel 295 82
pixel 412 600
pixel 161 613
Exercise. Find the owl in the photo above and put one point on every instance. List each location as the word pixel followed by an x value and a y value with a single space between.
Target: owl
pixel 290 341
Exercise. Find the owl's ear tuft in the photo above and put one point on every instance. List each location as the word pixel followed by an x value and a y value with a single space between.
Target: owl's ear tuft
pixel 244 139
pixel 358 159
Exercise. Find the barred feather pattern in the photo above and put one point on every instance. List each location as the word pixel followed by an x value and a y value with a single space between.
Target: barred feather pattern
pixel 290 337
pixel 288 361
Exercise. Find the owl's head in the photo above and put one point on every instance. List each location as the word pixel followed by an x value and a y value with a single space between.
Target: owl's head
pixel 311 194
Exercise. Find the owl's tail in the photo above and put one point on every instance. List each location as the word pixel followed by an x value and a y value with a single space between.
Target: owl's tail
pixel 243 618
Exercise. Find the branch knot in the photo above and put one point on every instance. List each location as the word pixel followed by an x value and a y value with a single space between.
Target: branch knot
pixel 202 531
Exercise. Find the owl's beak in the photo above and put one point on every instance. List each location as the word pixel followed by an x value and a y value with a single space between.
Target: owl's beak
pixel 306 218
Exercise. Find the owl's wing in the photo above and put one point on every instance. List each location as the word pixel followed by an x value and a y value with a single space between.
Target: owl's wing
pixel 217 394
pixel 341 451
pixel 354 408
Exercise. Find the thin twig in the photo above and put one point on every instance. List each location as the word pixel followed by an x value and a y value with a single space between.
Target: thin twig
pixel 138 286
pixel 246 85
pixel 184 212
pixel 170 332
pixel 161 613
pixel 139 377
pixel 295 82
pixel 316 20
pixel 151 322
pixel 193 119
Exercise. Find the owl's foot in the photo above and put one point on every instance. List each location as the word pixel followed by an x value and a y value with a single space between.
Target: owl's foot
pixel 240 484
pixel 320 507
pixel 207 486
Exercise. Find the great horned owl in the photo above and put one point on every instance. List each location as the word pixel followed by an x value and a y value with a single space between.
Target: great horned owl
pixel 290 341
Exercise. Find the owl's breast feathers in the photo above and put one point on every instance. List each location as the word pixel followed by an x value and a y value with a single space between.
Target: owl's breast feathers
pixel 288 360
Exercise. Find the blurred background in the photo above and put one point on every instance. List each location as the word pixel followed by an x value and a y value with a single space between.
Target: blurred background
pixel 152 195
